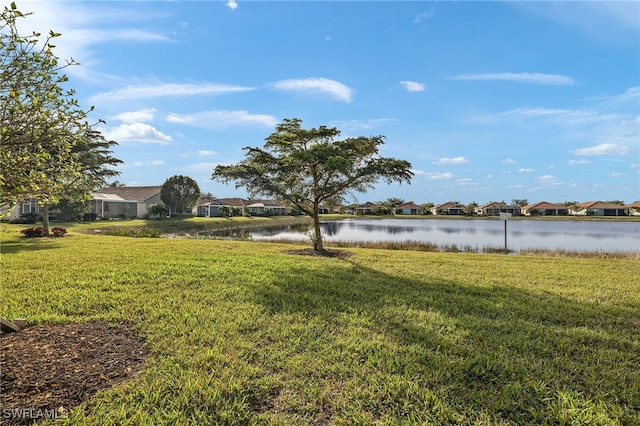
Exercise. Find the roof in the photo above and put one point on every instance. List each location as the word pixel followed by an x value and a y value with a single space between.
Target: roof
pixel 634 205
pixel 409 205
pixel 138 193
pixel 493 204
pixel 448 205
pixel 545 205
pixel 112 198
pixel 368 204
pixel 233 202
pixel 599 205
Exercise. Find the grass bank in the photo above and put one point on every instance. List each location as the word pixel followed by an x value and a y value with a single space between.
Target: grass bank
pixel 242 333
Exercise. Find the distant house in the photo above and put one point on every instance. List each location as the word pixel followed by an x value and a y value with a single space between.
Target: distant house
pixel 367 208
pixel 449 208
pixel 633 208
pixel 266 207
pixel 208 207
pixel 26 206
pixel 122 202
pixel 494 209
pixel 544 208
pixel 409 208
pixel 599 208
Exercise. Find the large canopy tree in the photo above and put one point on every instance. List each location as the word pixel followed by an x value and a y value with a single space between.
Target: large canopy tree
pixel 47 147
pixel 309 167
pixel 180 193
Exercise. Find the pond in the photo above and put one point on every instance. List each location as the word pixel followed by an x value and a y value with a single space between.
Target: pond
pixel 522 234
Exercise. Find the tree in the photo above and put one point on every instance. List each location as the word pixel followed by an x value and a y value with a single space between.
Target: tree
pixel 95 165
pixel 180 193
pixel 470 208
pixel 157 211
pixel 37 115
pixel 309 167
pixel 47 147
pixel 519 203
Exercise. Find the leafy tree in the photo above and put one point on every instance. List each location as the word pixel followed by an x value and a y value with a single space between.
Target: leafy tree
pixel 116 184
pixel 180 193
pixel 225 211
pixel 519 203
pixel 157 211
pixel 94 161
pixel 307 167
pixel 470 208
pixel 47 147
pixel 37 115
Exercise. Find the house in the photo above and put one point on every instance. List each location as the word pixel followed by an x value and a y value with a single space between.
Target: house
pixel 26 206
pixel 208 207
pixel 122 202
pixel 409 208
pixel 494 209
pixel 266 208
pixel 544 208
pixel 449 208
pixel 633 208
pixel 599 208
pixel 367 208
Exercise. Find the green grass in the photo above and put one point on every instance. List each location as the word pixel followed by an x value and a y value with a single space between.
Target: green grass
pixel 242 333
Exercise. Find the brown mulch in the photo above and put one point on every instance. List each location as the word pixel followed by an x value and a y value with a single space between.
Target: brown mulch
pixel 326 253
pixel 50 369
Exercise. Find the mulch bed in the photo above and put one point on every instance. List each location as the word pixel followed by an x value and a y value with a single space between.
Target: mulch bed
pixel 47 370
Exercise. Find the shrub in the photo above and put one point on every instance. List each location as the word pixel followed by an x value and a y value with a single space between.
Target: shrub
pixel 89 217
pixel 33 232
pixel 58 231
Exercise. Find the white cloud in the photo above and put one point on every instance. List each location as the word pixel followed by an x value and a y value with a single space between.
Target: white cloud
pixel 602 149
pixel 334 89
pixel 508 161
pixel 140 116
pixel 219 119
pixel 456 160
pixel 231 4
pixel 359 125
pixel 149 163
pixel 616 175
pixel 420 18
pixel 204 167
pixel 523 77
pixel 440 176
pixel 466 182
pixel 137 132
pixel 206 153
pixel 548 180
pixel 413 86
pixel 168 89
pixel 525 170
pixel 83 27
pixel 417 172
pixel 578 162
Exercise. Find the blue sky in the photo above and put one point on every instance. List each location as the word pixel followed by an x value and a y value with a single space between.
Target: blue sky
pixel 489 101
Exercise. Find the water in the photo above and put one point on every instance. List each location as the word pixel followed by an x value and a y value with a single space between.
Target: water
pixel 586 236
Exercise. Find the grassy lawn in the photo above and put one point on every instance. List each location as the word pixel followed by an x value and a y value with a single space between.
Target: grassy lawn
pixel 243 333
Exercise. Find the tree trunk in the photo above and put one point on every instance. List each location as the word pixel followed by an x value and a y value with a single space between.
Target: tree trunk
pixel 317 234
pixel 45 219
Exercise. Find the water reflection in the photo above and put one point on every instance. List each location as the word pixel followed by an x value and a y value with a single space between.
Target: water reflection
pixel 604 236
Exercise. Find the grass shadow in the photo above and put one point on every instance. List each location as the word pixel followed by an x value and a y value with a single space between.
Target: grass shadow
pixel 516 354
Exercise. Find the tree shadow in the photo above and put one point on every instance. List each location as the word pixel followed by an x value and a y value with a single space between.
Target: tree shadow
pixel 29 244
pixel 493 340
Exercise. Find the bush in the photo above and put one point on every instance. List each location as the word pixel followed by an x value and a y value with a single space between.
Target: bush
pixel 58 231
pixel 89 217
pixel 33 232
